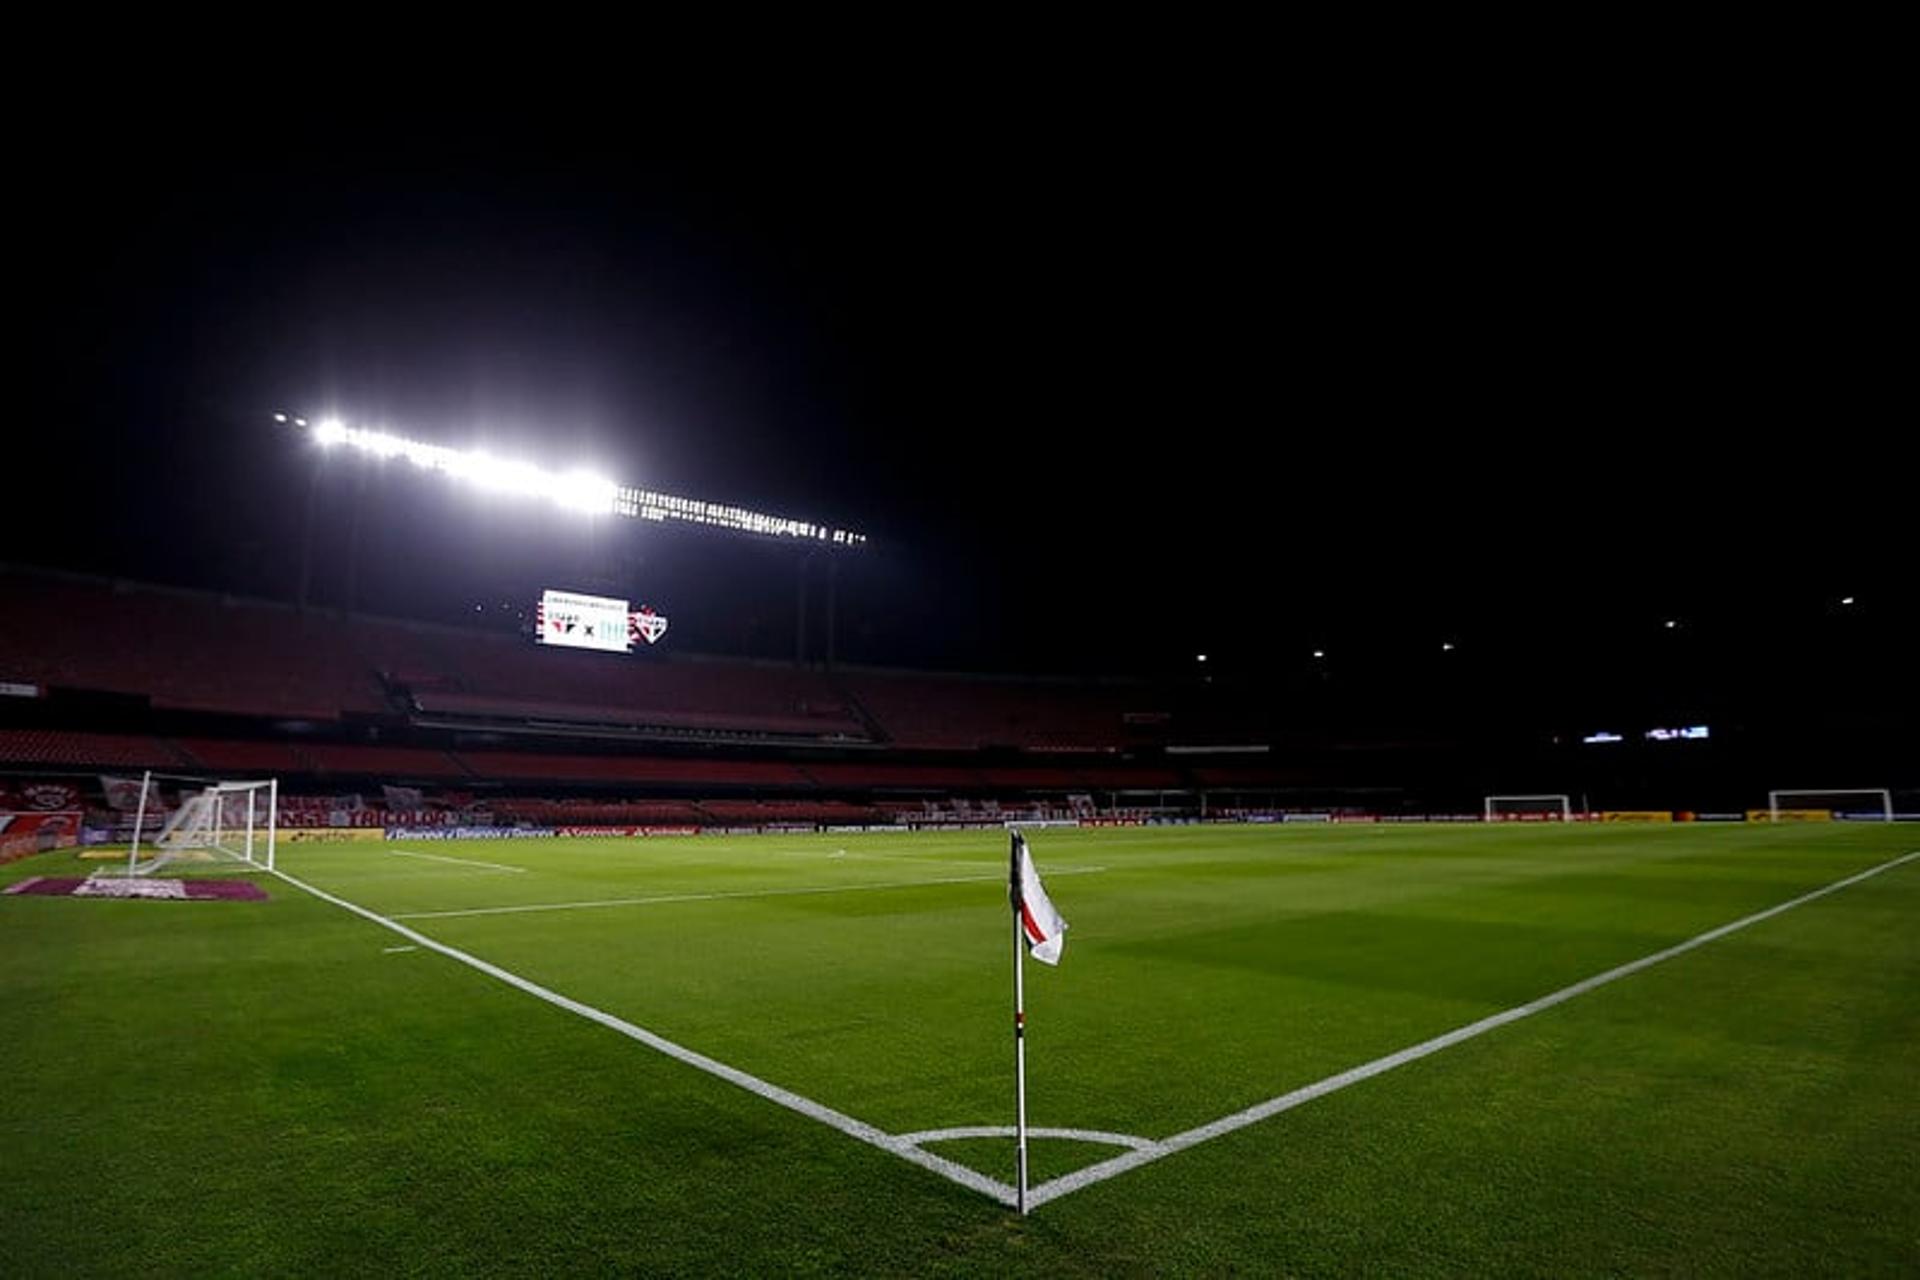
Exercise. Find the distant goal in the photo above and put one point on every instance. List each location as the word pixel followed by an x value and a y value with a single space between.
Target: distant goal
pixel 232 823
pixel 1870 803
pixel 1556 808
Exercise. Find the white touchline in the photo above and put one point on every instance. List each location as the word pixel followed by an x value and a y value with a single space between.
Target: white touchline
pixel 846 1124
pixel 1037 1196
pixel 1144 1150
pixel 465 862
pixel 712 897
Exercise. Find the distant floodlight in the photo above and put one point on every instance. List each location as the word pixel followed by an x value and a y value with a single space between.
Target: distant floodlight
pixel 1671 624
pixel 280 417
pixel 299 422
pixel 331 431
pixel 1319 653
pixel 1446 646
pixel 1199 657
pixel 1846 599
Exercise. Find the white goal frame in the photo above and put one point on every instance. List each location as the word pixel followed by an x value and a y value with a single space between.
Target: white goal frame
pixel 200 823
pixel 1774 806
pixel 1566 805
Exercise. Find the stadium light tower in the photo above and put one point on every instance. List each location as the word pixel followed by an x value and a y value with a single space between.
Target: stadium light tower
pixel 577 489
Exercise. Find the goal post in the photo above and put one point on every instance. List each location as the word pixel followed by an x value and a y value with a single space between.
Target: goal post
pixel 1787 804
pixel 1543 808
pixel 229 821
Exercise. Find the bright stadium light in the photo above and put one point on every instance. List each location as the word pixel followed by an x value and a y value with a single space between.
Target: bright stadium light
pixel 1319 653
pixel 1846 599
pixel 578 490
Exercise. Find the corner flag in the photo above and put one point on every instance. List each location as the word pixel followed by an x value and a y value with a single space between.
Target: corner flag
pixel 1040 925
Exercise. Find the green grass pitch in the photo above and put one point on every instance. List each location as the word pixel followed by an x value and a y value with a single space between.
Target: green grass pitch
pixel 276 1088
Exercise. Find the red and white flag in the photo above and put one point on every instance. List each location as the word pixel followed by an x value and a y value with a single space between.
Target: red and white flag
pixel 1041 925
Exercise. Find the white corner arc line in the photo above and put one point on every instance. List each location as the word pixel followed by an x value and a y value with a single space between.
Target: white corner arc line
pixel 1053 1190
pixel 465 862
pixel 1008 1131
pixel 714 897
pixel 973 1181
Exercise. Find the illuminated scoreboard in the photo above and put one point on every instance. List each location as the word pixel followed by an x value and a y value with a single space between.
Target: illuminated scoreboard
pixel 576 621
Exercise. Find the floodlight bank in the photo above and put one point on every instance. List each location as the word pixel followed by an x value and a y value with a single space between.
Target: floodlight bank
pixel 577 490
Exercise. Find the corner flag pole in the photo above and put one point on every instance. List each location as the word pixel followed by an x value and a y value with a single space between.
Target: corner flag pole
pixel 1019 1024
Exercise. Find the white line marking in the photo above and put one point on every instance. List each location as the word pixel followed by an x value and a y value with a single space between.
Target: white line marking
pixel 465 862
pixel 389 951
pixel 992 1189
pixel 904 1146
pixel 1037 1196
pixel 713 897
pixel 1008 1131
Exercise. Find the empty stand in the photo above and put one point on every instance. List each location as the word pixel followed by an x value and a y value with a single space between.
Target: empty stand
pixel 86 750
pixel 397 763
pixel 953 713
pixel 508 677
pixel 181 649
pixel 511 765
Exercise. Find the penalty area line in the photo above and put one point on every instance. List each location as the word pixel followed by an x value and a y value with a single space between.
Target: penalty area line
pixel 1069 1183
pixel 716 897
pixel 465 862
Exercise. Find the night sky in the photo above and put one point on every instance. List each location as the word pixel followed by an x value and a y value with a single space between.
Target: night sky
pixel 1113 372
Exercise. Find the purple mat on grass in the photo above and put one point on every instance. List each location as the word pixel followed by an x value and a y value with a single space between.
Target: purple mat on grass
pixel 174 890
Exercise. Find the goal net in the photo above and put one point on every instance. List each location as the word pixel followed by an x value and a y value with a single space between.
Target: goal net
pixel 1874 803
pixel 234 824
pixel 1529 809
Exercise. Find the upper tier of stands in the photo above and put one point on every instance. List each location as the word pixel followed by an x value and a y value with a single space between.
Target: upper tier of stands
pixel 200 652
pixel 960 713
pixel 181 650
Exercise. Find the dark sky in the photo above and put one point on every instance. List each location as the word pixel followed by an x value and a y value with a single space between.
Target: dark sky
pixel 1113 370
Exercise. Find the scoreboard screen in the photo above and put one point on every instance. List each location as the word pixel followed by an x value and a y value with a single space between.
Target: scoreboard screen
pixel 576 621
